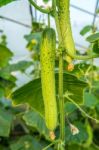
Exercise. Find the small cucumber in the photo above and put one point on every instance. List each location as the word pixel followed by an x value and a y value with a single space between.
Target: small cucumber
pixel 66 31
pixel 65 26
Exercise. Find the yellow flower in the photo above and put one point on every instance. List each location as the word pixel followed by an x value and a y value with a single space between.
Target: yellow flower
pixel 34 42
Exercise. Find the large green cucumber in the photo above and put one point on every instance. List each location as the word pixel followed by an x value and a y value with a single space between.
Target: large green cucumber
pixel 47 59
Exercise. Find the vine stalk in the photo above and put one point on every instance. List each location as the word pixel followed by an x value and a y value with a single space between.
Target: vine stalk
pixel 61 98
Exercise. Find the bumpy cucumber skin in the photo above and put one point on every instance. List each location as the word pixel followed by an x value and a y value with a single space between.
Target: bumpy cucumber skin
pixel 65 26
pixel 47 59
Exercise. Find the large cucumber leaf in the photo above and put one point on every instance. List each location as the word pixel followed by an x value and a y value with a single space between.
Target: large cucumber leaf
pixel 31 93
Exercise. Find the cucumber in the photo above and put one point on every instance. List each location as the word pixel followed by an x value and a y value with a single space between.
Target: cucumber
pixel 66 31
pixel 65 26
pixel 47 60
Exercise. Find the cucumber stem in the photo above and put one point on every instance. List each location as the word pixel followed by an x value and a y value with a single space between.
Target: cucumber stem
pixel 49 20
pixel 61 99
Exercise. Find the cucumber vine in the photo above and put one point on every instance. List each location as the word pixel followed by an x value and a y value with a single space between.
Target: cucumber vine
pixel 60 10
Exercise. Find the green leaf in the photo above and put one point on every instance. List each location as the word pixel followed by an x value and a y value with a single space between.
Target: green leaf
pixel 85 30
pixel 96 84
pixel 6 103
pixel 32 36
pixel 1 92
pixel 90 100
pixel 34 119
pixel 5 122
pixel 74 147
pixel 31 93
pixel 26 143
pixel 5 55
pixel 20 66
pixel 96 92
pixel 69 108
pixel 3 148
pixel 81 69
pixel 97 108
pixel 7 85
pixel 96 47
pixel 5 2
pixel 78 147
pixel 46 1
pixel 92 38
pixel 34 40
pixel 74 86
pixel 92 147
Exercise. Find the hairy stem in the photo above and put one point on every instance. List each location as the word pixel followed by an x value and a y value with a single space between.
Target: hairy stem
pixel 61 98
pixel 85 113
